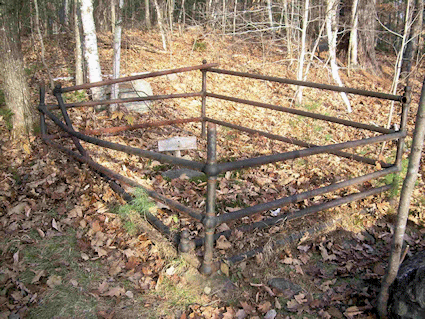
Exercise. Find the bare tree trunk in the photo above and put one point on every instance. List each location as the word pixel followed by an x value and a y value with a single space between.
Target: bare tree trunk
pixel 403 207
pixel 66 12
pixel 91 53
pixel 352 48
pixel 270 14
pixel 332 29
pixel 117 55
pixel 12 74
pixel 288 29
pixel 367 34
pixel 413 41
pixel 223 20
pixel 399 61
pixel 161 24
pixel 113 16
pixel 147 15
pixel 171 14
pixel 40 37
pixel 79 75
pixel 302 51
pixel 235 8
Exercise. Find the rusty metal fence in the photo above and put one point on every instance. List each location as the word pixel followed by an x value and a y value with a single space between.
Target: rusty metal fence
pixel 210 217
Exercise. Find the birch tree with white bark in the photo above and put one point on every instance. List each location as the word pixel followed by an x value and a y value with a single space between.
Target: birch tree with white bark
pixel 79 74
pixel 160 24
pixel 117 53
pixel 332 30
pixel 91 53
pixel 352 48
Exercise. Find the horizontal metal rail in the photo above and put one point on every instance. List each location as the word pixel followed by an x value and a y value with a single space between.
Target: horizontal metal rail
pixel 125 180
pixel 127 100
pixel 124 148
pixel 335 88
pixel 301 213
pixel 261 160
pixel 118 129
pixel 305 195
pixel 138 77
pixel 296 142
pixel 302 113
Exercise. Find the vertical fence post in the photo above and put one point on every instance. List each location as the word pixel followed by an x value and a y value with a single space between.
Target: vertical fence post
pixel 58 94
pixel 210 219
pixel 403 124
pixel 204 99
pixel 43 129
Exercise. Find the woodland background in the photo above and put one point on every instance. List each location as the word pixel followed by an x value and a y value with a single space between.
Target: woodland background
pixel 68 251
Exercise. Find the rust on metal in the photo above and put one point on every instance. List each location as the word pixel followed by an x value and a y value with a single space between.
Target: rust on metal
pixel 297 142
pixel 138 77
pixel 385 96
pixel 124 148
pixel 267 159
pixel 303 113
pixel 118 129
pixel 128 100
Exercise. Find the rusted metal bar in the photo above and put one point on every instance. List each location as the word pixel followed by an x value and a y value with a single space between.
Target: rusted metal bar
pixel 58 95
pixel 261 160
pixel 403 125
pixel 43 128
pixel 316 208
pixel 302 196
pixel 138 77
pixel 124 148
pixel 127 181
pixel 303 113
pixel 118 129
pixel 335 88
pixel 297 142
pixel 210 219
pixel 301 213
pixel 204 100
pixel 128 100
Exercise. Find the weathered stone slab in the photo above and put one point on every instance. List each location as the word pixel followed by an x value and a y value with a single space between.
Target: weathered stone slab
pixel 177 173
pixel 140 88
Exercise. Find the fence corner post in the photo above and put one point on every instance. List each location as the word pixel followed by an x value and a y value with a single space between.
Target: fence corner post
pixel 210 219
pixel 403 124
pixel 204 99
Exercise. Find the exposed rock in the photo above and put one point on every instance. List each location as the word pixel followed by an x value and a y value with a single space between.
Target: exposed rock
pixel 407 294
pixel 284 284
pixel 177 173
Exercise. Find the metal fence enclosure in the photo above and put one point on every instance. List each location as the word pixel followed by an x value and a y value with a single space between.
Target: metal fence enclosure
pixel 210 218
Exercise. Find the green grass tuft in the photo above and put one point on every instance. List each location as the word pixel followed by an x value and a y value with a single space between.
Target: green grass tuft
pixel 131 212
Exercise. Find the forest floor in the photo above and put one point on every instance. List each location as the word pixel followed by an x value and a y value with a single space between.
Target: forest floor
pixel 71 248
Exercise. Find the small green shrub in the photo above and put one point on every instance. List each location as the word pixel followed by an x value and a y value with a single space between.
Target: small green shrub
pixel 199 46
pixel 76 96
pixel 2 98
pixel 396 179
pixel 130 213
